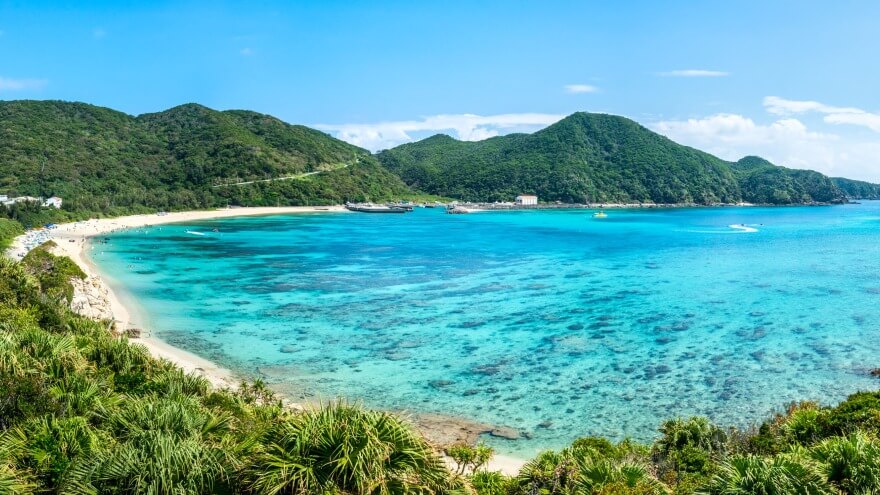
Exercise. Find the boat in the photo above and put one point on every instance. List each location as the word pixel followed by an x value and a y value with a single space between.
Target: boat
pixel 371 208
pixel 600 214
pixel 402 206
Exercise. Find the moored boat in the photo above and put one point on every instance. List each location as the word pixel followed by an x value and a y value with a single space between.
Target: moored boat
pixel 371 208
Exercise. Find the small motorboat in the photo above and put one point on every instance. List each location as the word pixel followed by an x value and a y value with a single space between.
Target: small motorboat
pixel 600 214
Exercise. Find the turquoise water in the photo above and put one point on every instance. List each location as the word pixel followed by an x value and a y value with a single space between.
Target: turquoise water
pixel 550 322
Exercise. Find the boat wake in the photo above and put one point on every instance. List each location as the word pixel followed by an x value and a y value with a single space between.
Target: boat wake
pixel 742 228
pixel 193 232
pixel 737 228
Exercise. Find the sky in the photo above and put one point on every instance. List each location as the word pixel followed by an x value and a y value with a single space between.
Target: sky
pixel 793 81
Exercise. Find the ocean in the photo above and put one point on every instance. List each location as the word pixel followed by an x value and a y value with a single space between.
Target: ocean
pixel 552 323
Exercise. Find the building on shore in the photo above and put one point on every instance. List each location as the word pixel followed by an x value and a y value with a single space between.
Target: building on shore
pixel 526 200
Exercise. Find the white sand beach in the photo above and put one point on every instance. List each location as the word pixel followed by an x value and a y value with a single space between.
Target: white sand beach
pixel 102 302
pixel 72 240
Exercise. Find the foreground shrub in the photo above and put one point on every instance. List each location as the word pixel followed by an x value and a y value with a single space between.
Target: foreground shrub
pixel 340 448
pixel 780 475
pixel 852 463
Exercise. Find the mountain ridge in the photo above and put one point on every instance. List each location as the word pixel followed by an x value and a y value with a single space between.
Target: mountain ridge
pixel 102 160
pixel 190 156
pixel 597 157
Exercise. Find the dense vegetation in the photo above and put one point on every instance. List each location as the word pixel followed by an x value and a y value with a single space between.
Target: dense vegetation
pixel 83 411
pixel 103 161
pixel 856 189
pixel 597 158
pixel 761 182
pixel 9 230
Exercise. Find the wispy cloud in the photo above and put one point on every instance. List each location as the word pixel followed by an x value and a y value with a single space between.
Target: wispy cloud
pixel 833 114
pixel 10 84
pixel 246 52
pixel 580 88
pixel 467 127
pixel 694 73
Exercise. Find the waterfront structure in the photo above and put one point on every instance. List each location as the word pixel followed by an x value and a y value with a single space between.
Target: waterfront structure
pixel 526 200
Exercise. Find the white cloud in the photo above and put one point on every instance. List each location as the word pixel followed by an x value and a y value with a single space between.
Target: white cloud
pixel 467 127
pixel 246 52
pixel 786 141
pixel 694 73
pixel 580 88
pixel 8 84
pixel 833 115
pixel 869 120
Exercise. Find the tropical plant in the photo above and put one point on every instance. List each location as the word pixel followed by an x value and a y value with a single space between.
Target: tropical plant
pixel 852 463
pixel 603 476
pixel 341 448
pixel 491 483
pixel 164 445
pixel 780 475
pixel 549 472
pixel 469 457
pixel 14 483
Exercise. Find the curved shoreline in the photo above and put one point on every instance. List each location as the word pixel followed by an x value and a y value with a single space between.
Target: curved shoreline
pixel 72 240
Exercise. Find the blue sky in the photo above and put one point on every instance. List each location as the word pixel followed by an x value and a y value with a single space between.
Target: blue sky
pixel 793 81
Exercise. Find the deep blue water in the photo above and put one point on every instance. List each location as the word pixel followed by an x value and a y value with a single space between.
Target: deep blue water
pixel 549 322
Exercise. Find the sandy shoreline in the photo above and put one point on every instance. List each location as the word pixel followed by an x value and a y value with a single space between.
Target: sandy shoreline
pixel 72 240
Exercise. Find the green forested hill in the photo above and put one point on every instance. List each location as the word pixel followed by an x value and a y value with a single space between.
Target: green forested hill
pixel 762 182
pixel 597 158
pixel 102 160
pixel 856 189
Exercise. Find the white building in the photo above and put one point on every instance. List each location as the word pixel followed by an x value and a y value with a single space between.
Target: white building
pixel 54 202
pixel 526 200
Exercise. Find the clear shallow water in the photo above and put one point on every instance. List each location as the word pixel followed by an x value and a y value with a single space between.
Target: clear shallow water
pixel 549 322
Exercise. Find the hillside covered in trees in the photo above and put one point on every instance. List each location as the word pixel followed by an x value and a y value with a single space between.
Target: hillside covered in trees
pixel 101 160
pixel 596 158
pixel 856 189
